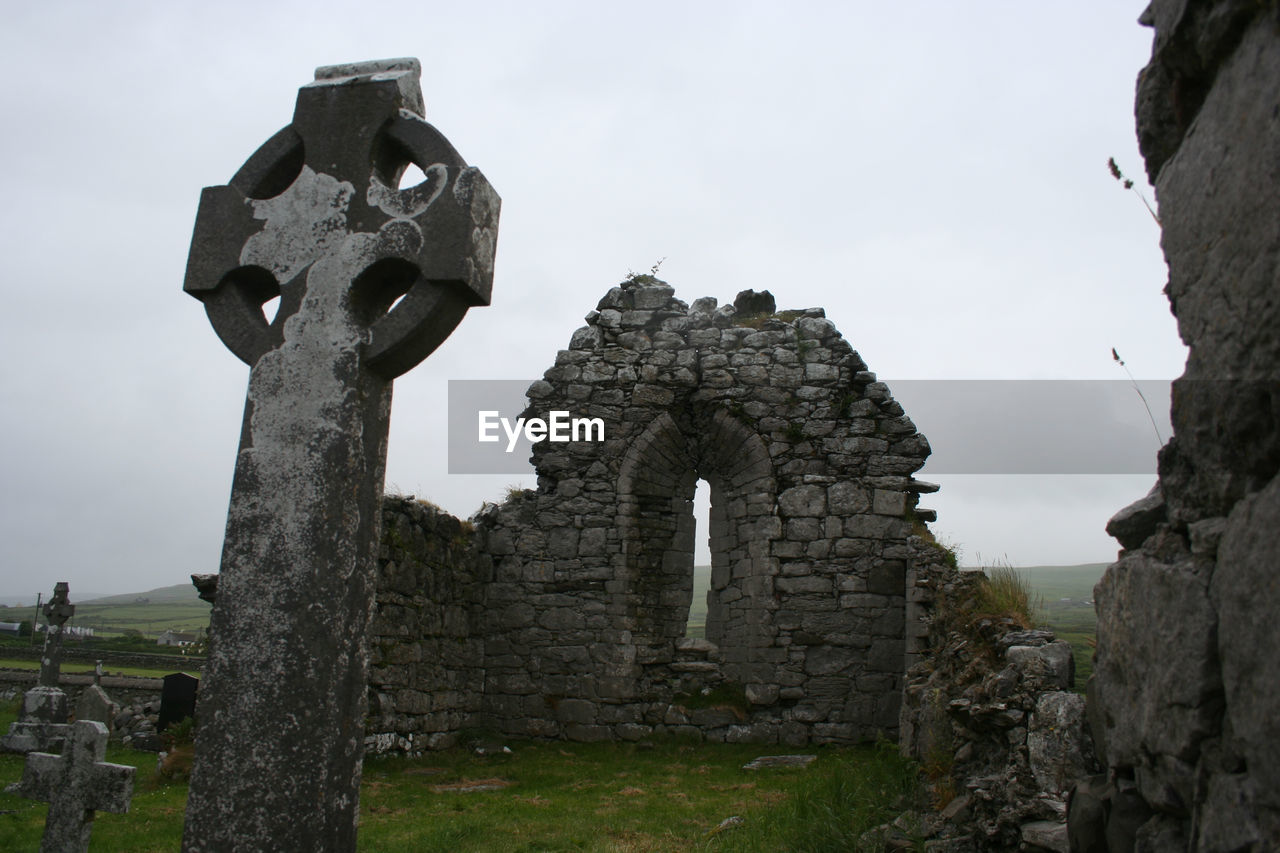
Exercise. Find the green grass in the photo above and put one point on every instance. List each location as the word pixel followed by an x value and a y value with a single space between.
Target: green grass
pixel 1007 592
pixel 154 821
pixel 177 607
pixel 697 625
pixel 1067 594
pixel 559 797
pixel 829 812
pixel 109 669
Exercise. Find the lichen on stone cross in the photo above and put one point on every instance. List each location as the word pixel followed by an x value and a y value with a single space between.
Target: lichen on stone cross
pixel 76 784
pixel 317 217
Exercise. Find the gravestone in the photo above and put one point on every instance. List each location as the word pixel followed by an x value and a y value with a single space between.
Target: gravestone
pixel 76 784
pixel 177 699
pixel 42 719
pixel 316 217
pixel 95 704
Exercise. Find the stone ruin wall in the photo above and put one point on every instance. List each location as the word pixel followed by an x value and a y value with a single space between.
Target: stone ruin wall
pixel 567 618
pixel 426 675
pixel 1186 689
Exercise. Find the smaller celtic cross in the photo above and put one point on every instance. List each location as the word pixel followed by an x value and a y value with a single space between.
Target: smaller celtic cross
pixel 76 784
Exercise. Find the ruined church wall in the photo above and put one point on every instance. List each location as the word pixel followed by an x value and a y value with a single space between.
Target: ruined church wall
pixel 1187 681
pixel 809 463
pixel 563 612
pixel 426 677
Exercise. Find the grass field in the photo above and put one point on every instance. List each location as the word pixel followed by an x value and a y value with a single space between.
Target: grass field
pixel 551 797
pixel 109 669
pixel 1067 596
pixel 177 608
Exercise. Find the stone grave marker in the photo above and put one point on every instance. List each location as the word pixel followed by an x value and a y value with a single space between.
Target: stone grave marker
pixel 42 719
pixel 177 699
pixel 76 784
pixel 95 704
pixel 317 217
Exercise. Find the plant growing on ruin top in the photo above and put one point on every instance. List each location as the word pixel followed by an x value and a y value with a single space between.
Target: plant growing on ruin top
pixel 1128 184
pixel 1006 592
pixel 651 277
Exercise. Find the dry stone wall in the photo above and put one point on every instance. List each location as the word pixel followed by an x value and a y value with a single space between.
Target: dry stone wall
pixel 1186 690
pixel 426 679
pixel 568 618
pixel 990 713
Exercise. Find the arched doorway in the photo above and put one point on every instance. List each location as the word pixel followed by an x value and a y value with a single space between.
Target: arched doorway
pixel 656 485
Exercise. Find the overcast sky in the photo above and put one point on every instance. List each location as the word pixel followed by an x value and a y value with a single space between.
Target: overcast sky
pixel 932 173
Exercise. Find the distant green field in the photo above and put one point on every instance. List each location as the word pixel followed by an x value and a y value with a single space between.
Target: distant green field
pixel 1066 594
pixel 176 608
pixel 697 626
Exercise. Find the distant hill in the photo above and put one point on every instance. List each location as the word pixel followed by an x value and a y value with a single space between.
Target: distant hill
pixel 29 601
pixel 1056 582
pixel 179 592
pixel 176 608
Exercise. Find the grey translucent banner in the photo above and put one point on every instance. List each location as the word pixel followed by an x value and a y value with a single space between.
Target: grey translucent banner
pixel 975 426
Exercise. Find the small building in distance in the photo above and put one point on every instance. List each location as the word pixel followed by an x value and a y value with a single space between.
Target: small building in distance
pixel 176 638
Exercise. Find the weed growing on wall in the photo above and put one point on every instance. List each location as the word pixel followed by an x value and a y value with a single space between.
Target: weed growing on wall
pixel 1006 592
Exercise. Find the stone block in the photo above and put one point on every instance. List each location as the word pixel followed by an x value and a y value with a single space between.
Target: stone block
pixel 576 711
pixel 787 549
pixel 562 542
pixel 753 733
pixel 809 585
pixel 804 529
pixel 710 718
pixel 888 578
pixel 828 660
pixel 886 654
pixel 561 619
pixel 633 731
pixel 1054 659
pixel 835 733
pixel 1057 742
pixel 1157 659
pixel 867 526
pixel 803 501
pixel 886 502
pixel 654 296
pixel 821 374
pixel 587 734
pixel 1045 835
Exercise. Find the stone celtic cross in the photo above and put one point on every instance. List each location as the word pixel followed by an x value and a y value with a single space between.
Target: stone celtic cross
pixel 42 720
pixel 57 611
pixel 75 784
pixel 316 216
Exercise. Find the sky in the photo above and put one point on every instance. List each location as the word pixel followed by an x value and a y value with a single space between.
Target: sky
pixel 932 174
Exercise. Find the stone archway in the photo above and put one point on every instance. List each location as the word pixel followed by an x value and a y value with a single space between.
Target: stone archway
pixel 656 483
